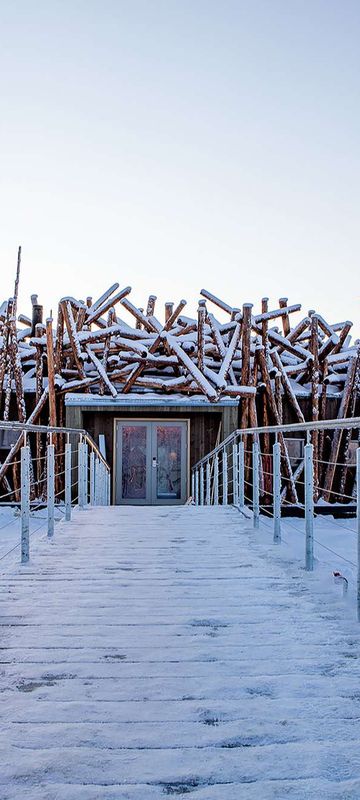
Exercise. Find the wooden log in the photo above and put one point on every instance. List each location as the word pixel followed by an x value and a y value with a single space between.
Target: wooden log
pixel 8 363
pixel 285 344
pixel 240 391
pixel 138 324
pixel 16 446
pixel 150 309
pixel 202 382
pixel 322 414
pixel 39 388
pixel 216 301
pixel 342 336
pixel 138 368
pixel 25 320
pixel 276 419
pixel 139 316
pixel 59 340
pixel 264 323
pixel 17 370
pixel 326 328
pixel 17 280
pixel 101 371
pixel 278 396
pixel 73 338
pixel 245 343
pixel 4 354
pixel 279 312
pixel 94 314
pixel 347 435
pixel 283 301
pixel 327 347
pixel 230 352
pixel 200 334
pixel 220 346
pixel 314 346
pixel 102 299
pixel 107 343
pixel 290 394
pixel 245 359
pixel 336 440
pixel 51 372
pixel 296 332
pixel 81 317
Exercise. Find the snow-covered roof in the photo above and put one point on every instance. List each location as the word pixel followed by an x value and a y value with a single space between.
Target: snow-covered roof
pixel 145 399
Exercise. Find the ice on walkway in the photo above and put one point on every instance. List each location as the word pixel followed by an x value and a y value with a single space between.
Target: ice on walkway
pixel 155 652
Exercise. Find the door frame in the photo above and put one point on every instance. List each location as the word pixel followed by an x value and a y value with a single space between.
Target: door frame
pixel 160 420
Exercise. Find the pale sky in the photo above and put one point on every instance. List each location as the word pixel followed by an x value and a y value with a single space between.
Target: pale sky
pixel 176 144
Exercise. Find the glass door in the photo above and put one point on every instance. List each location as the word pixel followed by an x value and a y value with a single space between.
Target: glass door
pixel 133 455
pixel 151 462
pixel 169 462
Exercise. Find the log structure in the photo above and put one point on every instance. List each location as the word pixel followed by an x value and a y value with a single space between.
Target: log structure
pixel 112 346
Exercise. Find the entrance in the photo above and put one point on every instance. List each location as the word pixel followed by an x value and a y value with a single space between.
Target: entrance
pixel 151 462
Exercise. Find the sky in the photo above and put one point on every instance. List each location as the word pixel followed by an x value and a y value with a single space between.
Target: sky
pixel 181 144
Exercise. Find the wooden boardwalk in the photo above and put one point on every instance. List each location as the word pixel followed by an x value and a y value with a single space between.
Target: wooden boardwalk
pixel 154 652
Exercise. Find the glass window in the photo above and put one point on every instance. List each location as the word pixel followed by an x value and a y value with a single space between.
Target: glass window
pixel 134 462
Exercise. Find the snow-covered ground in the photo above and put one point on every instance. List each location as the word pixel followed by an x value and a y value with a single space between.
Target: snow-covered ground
pixel 10 526
pixel 153 652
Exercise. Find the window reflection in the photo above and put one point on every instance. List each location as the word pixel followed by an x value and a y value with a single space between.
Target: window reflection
pixel 168 462
pixel 134 462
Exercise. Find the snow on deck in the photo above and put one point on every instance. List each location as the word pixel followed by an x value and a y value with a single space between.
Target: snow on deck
pixel 153 652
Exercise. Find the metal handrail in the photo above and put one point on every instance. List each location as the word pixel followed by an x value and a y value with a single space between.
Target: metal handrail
pixel 326 424
pixel 221 477
pixel 25 427
pixel 93 475
pixel 32 428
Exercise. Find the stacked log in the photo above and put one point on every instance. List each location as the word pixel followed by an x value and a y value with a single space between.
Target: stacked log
pixel 90 348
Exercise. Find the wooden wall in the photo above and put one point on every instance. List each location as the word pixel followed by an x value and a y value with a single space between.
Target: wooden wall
pixel 204 427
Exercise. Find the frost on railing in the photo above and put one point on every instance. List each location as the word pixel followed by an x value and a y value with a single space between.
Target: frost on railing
pixel 75 473
pixel 271 483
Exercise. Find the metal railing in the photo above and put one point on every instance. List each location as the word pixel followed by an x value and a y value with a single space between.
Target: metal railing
pixel 51 471
pixel 267 480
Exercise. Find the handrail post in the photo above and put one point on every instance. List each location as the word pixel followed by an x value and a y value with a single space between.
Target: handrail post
pixel 50 486
pixel 241 474
pixel 25 501
pixel 68 481
pixel 196 487
pixel 256 491
pixel 216 480
pixel 358 528
pixel 80 475
pixel 208 484
pixel 92 478
pixel 96 481
pixel 101 470
pixel 225 477
pixel 85 473
pixel 235 475
pixel 201 493
pixel 277 491
pixel 192 484
pixel 100 483
pixel 309 505
pixel 108 497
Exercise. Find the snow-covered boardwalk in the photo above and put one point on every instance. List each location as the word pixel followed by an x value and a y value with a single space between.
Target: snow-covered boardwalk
pixel 154 652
